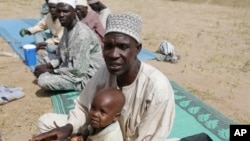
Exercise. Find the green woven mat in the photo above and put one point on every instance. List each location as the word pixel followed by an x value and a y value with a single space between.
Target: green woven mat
pixel 192 115
pixel 63 101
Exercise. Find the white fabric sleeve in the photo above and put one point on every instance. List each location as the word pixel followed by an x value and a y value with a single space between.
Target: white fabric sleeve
pixel 40 26
pixel 158 119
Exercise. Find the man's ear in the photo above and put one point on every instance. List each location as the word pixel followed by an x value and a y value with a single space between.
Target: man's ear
pixel 138 47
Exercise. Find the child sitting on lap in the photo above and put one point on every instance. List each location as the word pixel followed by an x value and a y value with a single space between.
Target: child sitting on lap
pixel 103 115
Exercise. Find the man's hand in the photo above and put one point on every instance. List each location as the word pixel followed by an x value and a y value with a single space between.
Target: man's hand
pixel 41 45
pixel 24 31
pixel 42 69
pixel 60 134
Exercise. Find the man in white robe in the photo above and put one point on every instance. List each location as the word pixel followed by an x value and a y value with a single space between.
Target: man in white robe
pixel 149 110
pixel 48 31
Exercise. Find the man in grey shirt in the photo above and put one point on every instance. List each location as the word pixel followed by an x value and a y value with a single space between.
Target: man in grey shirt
pixel 79 54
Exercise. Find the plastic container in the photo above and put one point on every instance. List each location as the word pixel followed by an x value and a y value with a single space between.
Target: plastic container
pixel 30 54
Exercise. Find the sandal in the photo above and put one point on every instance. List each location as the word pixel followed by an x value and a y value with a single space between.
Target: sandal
pixel 9 94
pixel 6 88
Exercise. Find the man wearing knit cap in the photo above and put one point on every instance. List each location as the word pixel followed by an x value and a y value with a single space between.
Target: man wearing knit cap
pixel 102 10
pixel 72 3
pixel 90 18
pixel 79 54
pixel 45 40
pixel 149 110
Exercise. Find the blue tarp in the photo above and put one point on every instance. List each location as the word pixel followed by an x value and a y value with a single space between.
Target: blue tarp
pixel 9 30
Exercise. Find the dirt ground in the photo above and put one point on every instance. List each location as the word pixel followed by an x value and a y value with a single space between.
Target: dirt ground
pixel 212 37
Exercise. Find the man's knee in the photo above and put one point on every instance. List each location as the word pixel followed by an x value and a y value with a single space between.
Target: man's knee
pixel 44 80
pixel 50 121
pixel 44 123
pixel 51 48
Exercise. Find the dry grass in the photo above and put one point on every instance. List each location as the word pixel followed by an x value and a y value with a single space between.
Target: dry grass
pixel 231 3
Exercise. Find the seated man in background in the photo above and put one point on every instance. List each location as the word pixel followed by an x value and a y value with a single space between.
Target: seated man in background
pixel 90 18
pixel 79 54
pixel 149 110
pixel 102 10
pixel 44 10
pixel 45 40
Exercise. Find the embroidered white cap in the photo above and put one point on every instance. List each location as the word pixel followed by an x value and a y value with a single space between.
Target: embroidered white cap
pixel 69 2
pixel 129 24
pixel 52 1
pixel 81 2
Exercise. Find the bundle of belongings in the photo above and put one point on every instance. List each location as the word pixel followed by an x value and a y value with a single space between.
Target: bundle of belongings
pixel 167 51
pixel 8 94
